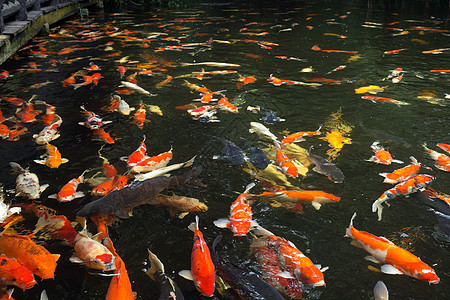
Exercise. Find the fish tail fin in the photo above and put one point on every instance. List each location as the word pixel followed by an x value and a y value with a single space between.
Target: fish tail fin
pixel 16 168
pixel 348 232
pixel 194 225
pixel 414 160
pixel 155 265
pixel 262 231
pixel 318 130
pixel 249 187
pixel 378 208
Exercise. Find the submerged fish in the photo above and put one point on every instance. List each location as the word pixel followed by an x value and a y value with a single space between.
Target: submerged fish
pixel 256 156
pixel 121 202
pixel 27 183
pixel 326 168
pixel 244 282
pixel 231 153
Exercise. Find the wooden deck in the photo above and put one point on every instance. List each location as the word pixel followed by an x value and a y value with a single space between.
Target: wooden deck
pixel 21 20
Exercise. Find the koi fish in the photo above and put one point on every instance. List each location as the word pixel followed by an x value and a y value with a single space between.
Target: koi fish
pixel 394 51
pixel 286 166
pixel 13 100
pixel 210 64
pixel 257 157
pixel 87 80
pixel 123 107
pixel 298 136
pixel 445 147
pixel 230 153
pixel 13 273
pixel 336 139
pixel 93 121
pixel 34 257
pixel 168 287
pixel 435 51
pixel 325 80
pixel 226 105
pixel 243 80
pixel 121 70
pixel 139 116
pixel 101 135
pixel 49 133
pixel 164 82
pixel 177 204
pixel 291 258
pixel 402 174
pixel 375 99
pixel 274 274
pixel 411 185
pixel 164 170
pixel 49 116
pixel 4 74
pixel 373 89
pixel 27 183
pixel 70 80
pixel 442 161
pixel 262 132
pixel 327 168
pixel 152 163
pixel 27 113
pixel 240 215
pixel 382 156
pixel 138 155
pixel 69 191
pixel 395 259
pixel 121 202
pixel 120 285
pixel 199 111
pixel 299 197
pixel 92 253
pixel 243 281
pixel 52 157
pixel 341 67
pixel 136 88
pixel 202 271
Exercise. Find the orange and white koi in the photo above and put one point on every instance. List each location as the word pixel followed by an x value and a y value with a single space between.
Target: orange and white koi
pixel 202 271
pixel 445 147
pixel 382 156
pixel 375 99
pixel 69 191
pixel 402 174
pixel 411 185
pixel 299 136
pixel 152 163
pixel 442 161
pixel 49 133
pixel 291 258
pixel 137 155
pixel 274 80
pixel 52 157
pixel 27 113
pixel 240 215
pixel 435 51
pixel 285 165
pixel 395 260
pixel 92 253
pixel 49 115
pixel 223 103
pixel 394 51
pixel 197 112
pixel 341 67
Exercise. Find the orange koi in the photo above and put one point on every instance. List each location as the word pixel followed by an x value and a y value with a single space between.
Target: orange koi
pixel 139 116
pixel 442 161
pixel 92 253
pixel 293 260
pixel 71 80
pixel 13 273
pixel 272 270
pixel 445 147
pixel 15 132
pixel 384 100
pixel 47 119
pixel 403 173
pixel 394 51
pixel 382 156
pixel 286 166
pixel 52 157
pixel 202 271
pixel 113 104
pixel 164 82
pixel 440 71
pixel 153 163
pixel 13 100
pixel 274 80
pixel 4 74
pixel 226 105
pixel 325 80
pixel 101 135
pixel 121 70
pixel 69 191
pixel 411 185
pixel 137 155
pixel 243 80
pixel 27 113
pixel 298 136
pixel 34 257
pixel 240 215
pixel 120 285
pixel 395 259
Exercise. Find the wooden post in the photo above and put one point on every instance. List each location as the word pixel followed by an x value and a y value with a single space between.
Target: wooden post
pixel 2 23
pixel 22 14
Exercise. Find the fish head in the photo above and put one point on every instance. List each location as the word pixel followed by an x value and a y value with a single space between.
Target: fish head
pixel 425 273
pixel 45 268
pixel 13 273
pixel 104 261
pixel 205 285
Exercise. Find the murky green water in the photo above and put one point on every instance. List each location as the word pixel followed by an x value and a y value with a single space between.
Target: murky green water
pixel 319 234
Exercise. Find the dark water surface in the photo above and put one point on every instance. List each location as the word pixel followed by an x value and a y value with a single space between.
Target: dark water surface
pixel 319 234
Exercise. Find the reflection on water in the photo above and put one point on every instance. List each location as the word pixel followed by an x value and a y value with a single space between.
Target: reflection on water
pixel 320 54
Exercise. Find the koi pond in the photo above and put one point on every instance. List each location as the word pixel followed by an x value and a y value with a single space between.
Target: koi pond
pixel 352 81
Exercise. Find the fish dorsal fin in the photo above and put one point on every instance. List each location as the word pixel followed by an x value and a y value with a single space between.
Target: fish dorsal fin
pixel 186 274
pixel 386 240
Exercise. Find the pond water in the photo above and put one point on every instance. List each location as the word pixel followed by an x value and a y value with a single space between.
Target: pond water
pixel 263 41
